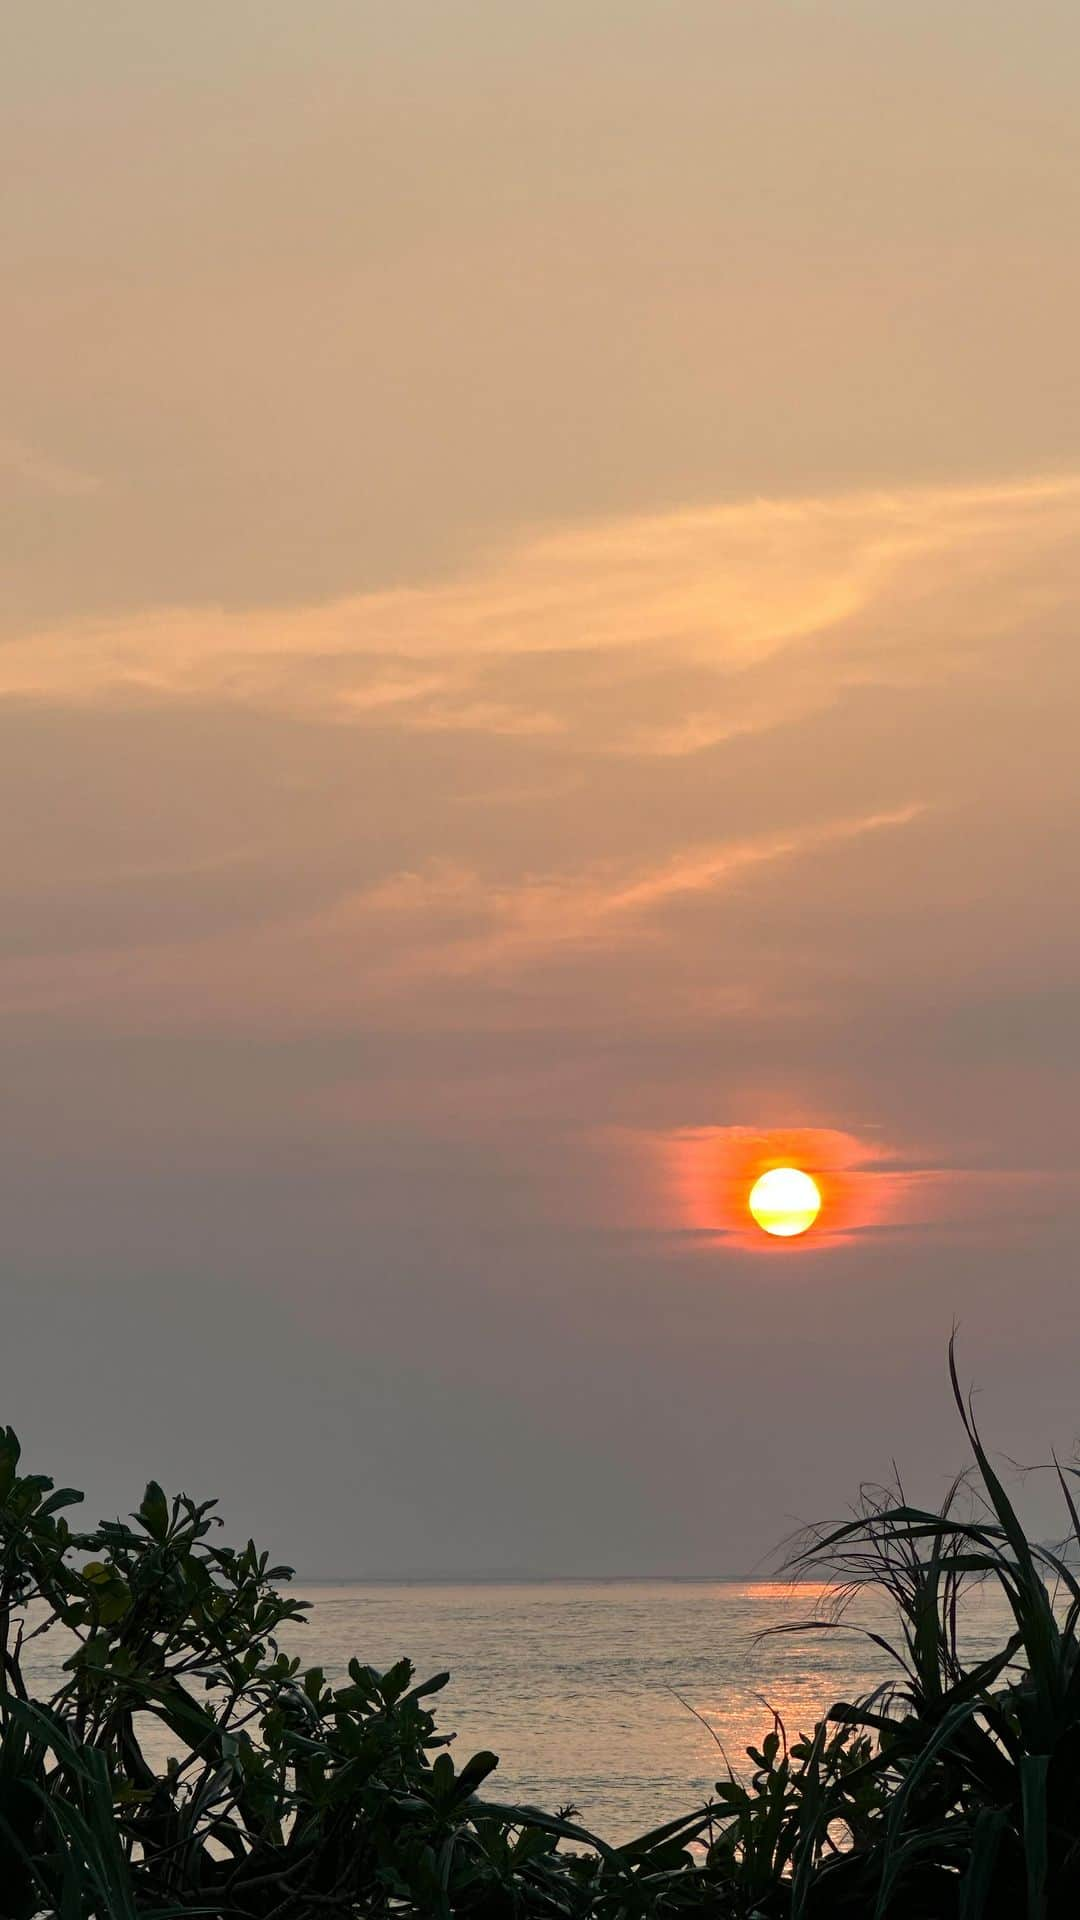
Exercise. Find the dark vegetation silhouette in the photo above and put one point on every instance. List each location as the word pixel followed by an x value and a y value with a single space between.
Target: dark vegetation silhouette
pixel 952 1794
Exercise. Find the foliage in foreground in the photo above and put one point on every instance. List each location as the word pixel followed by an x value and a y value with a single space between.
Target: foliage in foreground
pixel 952 1795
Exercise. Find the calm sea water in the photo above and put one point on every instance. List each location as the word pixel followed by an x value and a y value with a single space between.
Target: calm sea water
pixel 574 1684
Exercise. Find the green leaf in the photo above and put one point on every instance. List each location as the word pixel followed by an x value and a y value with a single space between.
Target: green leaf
pixel 9 1460
pixel 63 1497
pixel 975 1888
pixel 154 1511
pixel 1033 1771
pixel 395 1680
pixel 472 1773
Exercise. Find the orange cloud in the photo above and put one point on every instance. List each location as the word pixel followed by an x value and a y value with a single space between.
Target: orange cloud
pixel 546 914
pixel 710 1171
pixel 694 1183
pixel 655 635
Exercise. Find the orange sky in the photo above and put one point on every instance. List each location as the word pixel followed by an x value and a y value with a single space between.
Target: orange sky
pixel 539 645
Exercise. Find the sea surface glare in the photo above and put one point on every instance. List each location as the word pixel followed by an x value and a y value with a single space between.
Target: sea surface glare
pixel 573 1684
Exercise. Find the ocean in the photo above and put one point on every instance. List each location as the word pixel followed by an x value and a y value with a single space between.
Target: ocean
pixel 621 1698
pixel 588 1690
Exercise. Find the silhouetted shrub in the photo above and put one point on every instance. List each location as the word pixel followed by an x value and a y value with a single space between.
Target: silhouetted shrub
pixel 952 1795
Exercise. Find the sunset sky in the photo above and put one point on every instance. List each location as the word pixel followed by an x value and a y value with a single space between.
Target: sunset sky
pixel 539 650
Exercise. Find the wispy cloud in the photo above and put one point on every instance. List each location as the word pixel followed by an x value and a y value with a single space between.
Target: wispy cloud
pixel 492 802
pixel 657 635
pixel 457 922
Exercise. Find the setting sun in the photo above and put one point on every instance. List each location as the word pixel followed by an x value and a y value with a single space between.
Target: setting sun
pixel 785 1202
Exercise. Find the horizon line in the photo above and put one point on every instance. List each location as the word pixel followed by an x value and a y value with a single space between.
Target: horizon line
pixel 519 1578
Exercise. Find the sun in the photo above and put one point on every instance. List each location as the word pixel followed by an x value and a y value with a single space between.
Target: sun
pixel 785 1202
